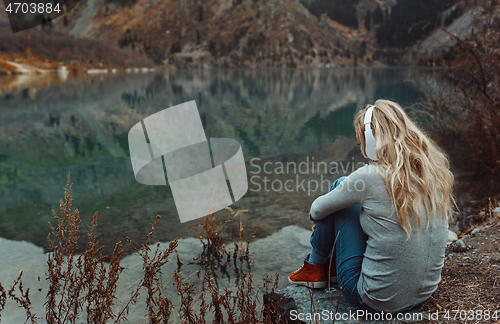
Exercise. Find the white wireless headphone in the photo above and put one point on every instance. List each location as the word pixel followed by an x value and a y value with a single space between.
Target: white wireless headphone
pixel 369 139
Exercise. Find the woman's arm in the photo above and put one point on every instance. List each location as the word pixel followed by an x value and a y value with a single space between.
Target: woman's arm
pixel 351 191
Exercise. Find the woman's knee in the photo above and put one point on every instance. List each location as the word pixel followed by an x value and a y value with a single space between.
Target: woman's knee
pixel 336 183
pixel 327 222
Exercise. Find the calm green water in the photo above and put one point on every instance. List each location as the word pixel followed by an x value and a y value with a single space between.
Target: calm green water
pixel 281 118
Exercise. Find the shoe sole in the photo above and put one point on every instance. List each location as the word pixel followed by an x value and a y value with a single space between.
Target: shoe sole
pixel 308 284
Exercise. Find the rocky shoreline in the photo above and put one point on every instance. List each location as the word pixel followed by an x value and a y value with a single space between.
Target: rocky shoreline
pixel 476 247
pixel 12 65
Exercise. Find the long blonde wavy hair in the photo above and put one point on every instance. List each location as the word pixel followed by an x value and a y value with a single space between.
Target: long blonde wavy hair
pixel 416 171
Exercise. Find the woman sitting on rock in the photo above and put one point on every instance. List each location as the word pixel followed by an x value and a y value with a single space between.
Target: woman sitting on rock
pixel 386 223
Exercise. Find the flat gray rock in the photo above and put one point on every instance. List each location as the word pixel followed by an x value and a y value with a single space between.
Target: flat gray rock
pixel 329 306
pixel 452 236
pixel 282 252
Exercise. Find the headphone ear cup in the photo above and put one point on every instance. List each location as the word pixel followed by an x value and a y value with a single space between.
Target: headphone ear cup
pixel 370 145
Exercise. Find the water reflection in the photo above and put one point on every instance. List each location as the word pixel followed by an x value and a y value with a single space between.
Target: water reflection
pixel 81 127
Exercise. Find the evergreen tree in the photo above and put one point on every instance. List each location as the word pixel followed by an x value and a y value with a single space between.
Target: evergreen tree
pixel 378 16
pixel 368 20
pixel 341 11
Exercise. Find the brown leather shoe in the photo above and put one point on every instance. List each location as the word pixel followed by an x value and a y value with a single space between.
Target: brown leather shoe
pixel 309 275
pixel 332 272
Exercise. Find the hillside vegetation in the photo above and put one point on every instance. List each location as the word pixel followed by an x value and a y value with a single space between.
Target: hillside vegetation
pixel 234 33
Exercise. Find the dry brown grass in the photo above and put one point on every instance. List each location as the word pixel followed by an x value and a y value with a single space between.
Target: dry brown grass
pixel 52 46
pixel 472 109
pixel 23 300
pixel 85 284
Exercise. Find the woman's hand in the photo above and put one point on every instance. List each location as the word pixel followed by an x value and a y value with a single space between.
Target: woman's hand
pixel 314 227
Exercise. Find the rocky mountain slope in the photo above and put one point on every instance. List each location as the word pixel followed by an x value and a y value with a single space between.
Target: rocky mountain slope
pixel 439 40
pixel 235 33
pixel 219 33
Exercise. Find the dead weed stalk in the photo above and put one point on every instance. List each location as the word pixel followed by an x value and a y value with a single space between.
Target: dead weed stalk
pixel 82 285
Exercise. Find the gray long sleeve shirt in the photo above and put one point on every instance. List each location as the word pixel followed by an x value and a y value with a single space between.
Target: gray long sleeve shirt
pixel 396 272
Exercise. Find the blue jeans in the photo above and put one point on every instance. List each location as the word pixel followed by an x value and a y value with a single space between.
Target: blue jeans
pixel 348 249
